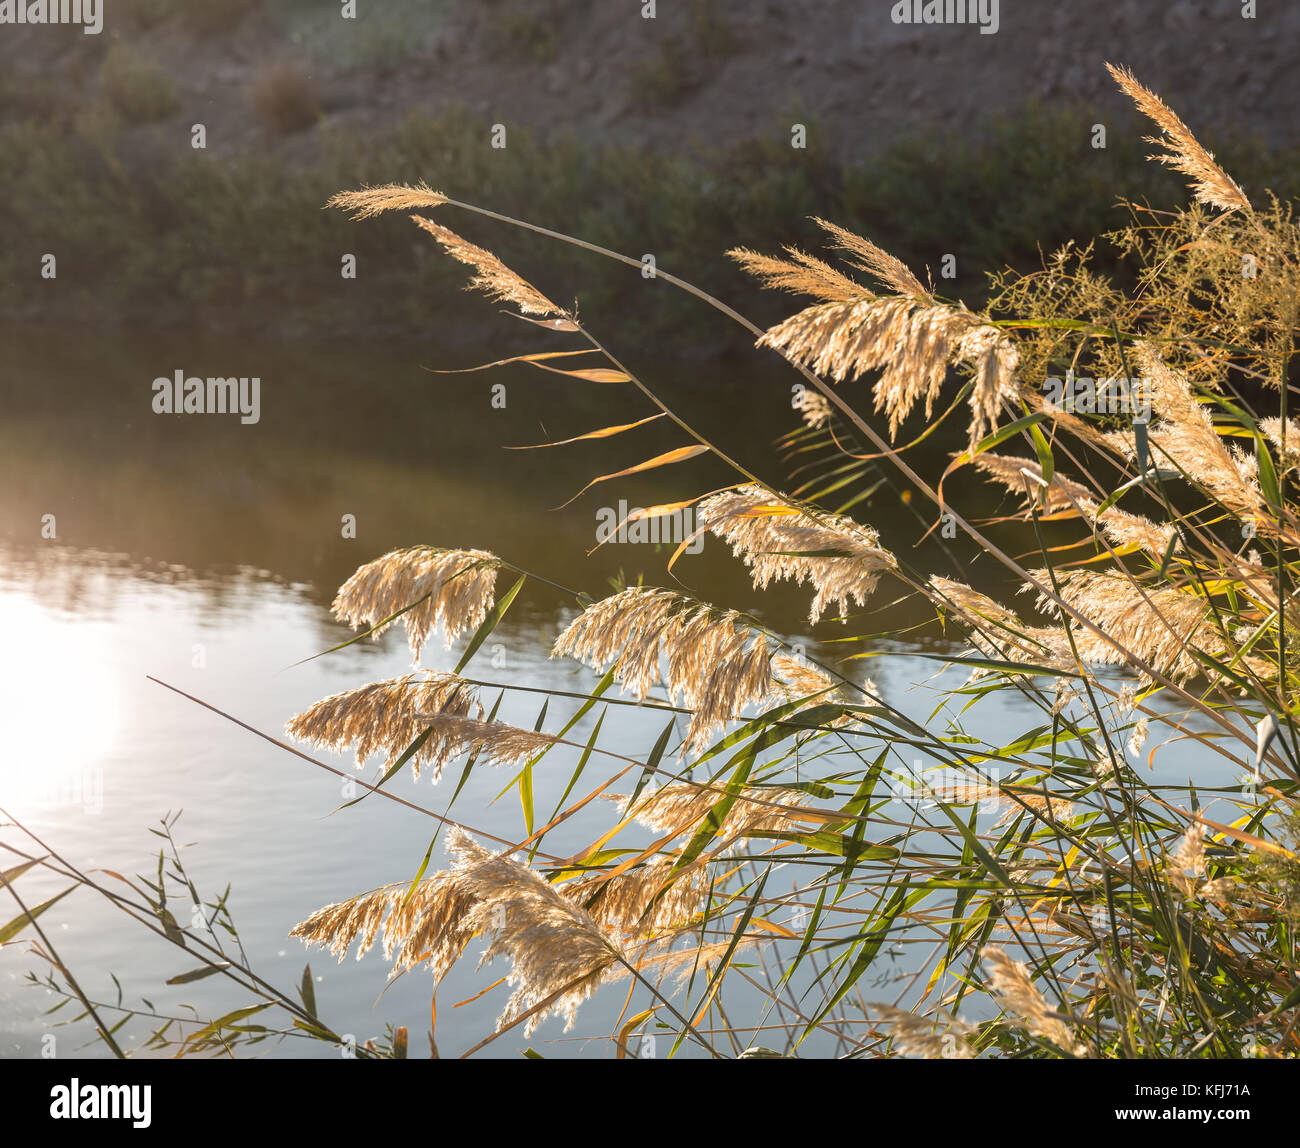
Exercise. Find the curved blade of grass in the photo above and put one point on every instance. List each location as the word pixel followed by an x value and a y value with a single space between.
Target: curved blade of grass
pixel 494 616
pixel 668 458
pixel 16 926
pixel 533 359
pixel 603 432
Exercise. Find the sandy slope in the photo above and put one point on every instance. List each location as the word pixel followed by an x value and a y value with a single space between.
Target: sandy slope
pixel 716 71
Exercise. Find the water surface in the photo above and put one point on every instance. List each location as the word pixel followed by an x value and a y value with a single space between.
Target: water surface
pixel 205 552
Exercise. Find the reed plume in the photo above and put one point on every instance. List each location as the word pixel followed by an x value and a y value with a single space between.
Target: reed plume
pixel 553 945
pixel 1187 866
pixel 427 586
pixel 970 788
pixel 1123 529
pixel 919 1037
pixel 796 680
pixel 1287 444
pixel 997 632
pixel 371 201
pixel 1009 981
pixel 891 271
pixel 491 276
pixel 709 658
pixel 801 274
pixel 494 742
pixel 814 408
pixel 993 358
pixel 387 717
pixel 905 335
pixel 680 806
pixel 684 962
pixel 1024 476
pixel 778 542
pixel 646 902
pixel 1186 434
pixel 970 603
pixel 1210 183
pixel 437 908
pixel 1161 626
pixel 911 345
pixel 1137 739
pixel 1044 806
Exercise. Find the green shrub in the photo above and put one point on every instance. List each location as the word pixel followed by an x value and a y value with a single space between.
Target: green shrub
pixel 285 99
pixel 141 91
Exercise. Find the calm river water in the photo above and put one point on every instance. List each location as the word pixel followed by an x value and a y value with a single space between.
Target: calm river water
pixel 204 552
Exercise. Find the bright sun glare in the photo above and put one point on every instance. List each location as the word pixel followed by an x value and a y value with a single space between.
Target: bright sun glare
pixel 59 708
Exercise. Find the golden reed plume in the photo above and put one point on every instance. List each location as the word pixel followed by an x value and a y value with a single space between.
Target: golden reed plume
pixel 841 558
pixel 453 587
pixel 710 659
pixel 916 1036
pixel 680 806
pixel 387 717
pixel 555 948
pixel 493 741
pixel 371 201
pixel 646 902
pixel 1210 183
pixel 907 336
pixel 1024 476
pixel 492 277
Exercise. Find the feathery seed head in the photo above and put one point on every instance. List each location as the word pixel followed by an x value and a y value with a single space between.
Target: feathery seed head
pixel 371 201
pixel 1161 626
pixel 1024 476
pixel 919 1037
pixel 911 342
pixel 1187 865
pixel 492 277
pixel 643 903
pixel 778 542
pixel 706 656
pixel 815 408
pixel 994 358
pixel 802 274
pixel 680 806
pixel 551 942
pixel 891 271
pixel 387 717
pixel 554 946
pixel 1209 181
pixel 453 587
pixel 1009 981
pixel 495 742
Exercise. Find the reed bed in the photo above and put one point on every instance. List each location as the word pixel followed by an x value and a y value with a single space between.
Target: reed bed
pixel 1054 899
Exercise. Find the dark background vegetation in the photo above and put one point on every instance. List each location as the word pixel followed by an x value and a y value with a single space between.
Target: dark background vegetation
pixel 669 136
